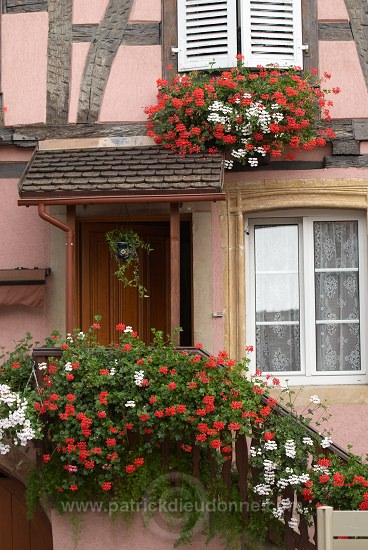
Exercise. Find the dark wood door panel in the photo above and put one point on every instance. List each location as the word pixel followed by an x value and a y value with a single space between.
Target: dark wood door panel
pixel 17 532
pixel 101 293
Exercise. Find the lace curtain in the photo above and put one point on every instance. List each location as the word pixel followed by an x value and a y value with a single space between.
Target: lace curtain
pixel 337 295
pixel 277 298
pixel 277 283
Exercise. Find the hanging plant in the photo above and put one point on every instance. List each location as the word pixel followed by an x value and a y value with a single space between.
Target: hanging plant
pixel 251 113
pixel 124 245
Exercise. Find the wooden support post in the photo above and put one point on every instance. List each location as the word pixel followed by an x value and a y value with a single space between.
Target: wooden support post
pixel 175 267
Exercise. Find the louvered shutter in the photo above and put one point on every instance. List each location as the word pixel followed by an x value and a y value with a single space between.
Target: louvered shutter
pixel 207 33
pixel 271 32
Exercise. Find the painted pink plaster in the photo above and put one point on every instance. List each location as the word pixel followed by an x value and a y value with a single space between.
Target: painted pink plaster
pixel 24 66
pixel 15 154
pixel 217 290
pixel 341 60
pixel 132 83
pixel 316 154
pixel 364 148
pixel 332 10
pixel 99 531
pixel 24 243
pixel 280 175
pixel 79 56
pixel 348 423
pixel 146 10
pixel 88 12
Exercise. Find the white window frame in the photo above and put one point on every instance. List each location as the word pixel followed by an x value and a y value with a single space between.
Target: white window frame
pixel 252 18
pixel 305 218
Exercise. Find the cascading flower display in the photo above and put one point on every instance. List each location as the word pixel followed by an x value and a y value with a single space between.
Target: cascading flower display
pixel 250 113
pixel 110 420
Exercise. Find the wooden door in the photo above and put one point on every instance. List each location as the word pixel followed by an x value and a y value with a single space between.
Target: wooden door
pixel 16 531
pixel 101 293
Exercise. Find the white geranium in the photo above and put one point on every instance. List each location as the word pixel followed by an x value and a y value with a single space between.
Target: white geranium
pixel 14 423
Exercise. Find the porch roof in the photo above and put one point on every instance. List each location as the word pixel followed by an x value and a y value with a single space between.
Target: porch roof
pixel 119 171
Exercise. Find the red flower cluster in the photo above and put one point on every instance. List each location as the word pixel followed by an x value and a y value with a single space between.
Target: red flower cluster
pixel 195 111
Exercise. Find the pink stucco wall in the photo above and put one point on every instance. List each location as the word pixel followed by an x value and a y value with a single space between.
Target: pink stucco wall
pixel 24 243
pixel 24 66
pixel 326 173
pixel 217 283
pixel 15 154
pixel 341 60
pixel 132 83
pixel 98 531
pixel 364 148
pixel 79 56
pixel 88 12
pixel 146 10
pixel 332 10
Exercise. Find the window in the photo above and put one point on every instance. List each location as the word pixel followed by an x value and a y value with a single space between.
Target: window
pixel 306 281
pixel 270 32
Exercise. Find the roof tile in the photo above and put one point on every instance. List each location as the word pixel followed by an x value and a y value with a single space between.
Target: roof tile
pixel 120 170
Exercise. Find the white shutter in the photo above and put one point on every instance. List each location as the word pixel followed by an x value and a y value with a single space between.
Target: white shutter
pixel 207 33
pixel 271 32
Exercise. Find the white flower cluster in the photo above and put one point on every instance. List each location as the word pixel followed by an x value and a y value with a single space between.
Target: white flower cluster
pixel 285 504
pixel 138 377
pixel 321 469
pixel 293 523
pixel 270 445
pixel 14 424
pixel 128 329
pixel 130 404
pixel 228 164
pixel 269 471
pixel 254 451
pixel 307 441
pixel 315 399
pixel 68 366
pixel 216 108
pixel 263 489
pixel 292 480
pixel 253 161
pixel 326 442
pixel 290 450
pixel 42 366
pixel 112 371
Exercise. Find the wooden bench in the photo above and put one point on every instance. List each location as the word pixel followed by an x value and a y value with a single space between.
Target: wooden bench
pixel 333 524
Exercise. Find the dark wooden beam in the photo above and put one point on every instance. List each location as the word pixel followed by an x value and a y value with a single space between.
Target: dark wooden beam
pixel 59 60
pixel 169 37
pixel 136 34
pixel 347 161
pixel 310 33
pixel 12 170
pixel 358 15
pixel 101 54
pixel 345 147
pixel 24 6
pixel 28 135
pixel 335 31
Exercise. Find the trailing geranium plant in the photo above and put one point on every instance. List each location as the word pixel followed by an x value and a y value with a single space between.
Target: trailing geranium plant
pixel 128 422
pixel 250 113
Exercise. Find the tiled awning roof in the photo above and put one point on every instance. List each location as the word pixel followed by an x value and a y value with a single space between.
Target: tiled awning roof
pixel 120 171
